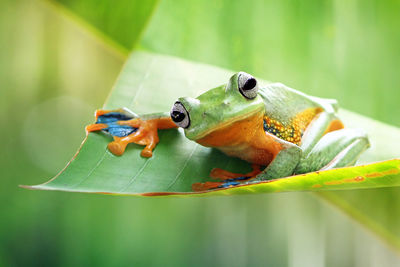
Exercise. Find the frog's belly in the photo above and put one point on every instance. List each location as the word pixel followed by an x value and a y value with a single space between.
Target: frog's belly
pixel 251 154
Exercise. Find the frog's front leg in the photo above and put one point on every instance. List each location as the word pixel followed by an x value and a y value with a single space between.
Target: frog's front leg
pixel 146 134
pixel 127 127
pixel 283 164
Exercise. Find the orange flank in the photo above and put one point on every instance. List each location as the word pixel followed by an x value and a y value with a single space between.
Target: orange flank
pixel 245 139
pixel 147 134
pixel 221 174
pixel 335 125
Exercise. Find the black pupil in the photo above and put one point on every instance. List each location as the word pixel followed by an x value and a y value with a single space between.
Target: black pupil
pixel 250 84
pixel 177 116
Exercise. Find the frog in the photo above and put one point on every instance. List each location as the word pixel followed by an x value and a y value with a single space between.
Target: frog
pixel 280 131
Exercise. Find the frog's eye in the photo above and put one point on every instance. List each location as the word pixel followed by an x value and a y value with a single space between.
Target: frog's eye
pixel 247 85
pixel 179 115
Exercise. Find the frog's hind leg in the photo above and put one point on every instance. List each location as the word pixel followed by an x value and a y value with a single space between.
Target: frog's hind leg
pixel 221 174
pixel 336 149
pixel 227 178
pixel 324 122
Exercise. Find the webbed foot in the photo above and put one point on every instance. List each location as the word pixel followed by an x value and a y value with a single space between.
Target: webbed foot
pixel 146 134
pixel 126 127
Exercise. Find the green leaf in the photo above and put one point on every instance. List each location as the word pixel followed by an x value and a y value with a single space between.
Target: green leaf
pixel 120 22
pixel 307 52
pixel 150 83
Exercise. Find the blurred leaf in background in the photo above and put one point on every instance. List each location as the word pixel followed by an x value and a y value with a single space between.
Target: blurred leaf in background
pixel 122 22
pixel 346 50
pixel 47 59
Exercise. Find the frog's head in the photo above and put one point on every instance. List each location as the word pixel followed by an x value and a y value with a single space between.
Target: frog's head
pixel 219 107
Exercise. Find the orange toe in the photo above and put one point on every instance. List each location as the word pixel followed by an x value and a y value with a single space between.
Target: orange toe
pixel 116 148
pixel 95 127
pixel 147 153
pixel 146 134
pixel 100 112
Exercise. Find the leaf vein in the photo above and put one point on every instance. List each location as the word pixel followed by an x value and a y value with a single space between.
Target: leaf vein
pixel 135 177
pixel 183 167
pixel 146 75
pixel 91 171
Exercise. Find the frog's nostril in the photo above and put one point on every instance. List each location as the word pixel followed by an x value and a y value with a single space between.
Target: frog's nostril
pixel 179 115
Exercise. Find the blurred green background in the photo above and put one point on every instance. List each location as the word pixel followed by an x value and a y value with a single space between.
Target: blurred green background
pixel 54 73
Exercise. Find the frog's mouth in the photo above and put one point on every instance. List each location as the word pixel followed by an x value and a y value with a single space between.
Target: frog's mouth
pixel 233 132
pixel 225 133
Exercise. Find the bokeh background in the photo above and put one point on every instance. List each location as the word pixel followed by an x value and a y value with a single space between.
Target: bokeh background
pixel 55 70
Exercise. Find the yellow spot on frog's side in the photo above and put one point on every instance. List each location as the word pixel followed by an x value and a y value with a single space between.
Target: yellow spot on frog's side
pixel 293 131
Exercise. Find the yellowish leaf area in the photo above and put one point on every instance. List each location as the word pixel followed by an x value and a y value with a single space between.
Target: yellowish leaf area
pixel 357 177
pixel 178 162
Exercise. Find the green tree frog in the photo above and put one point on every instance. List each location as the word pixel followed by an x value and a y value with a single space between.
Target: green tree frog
pixel 279 130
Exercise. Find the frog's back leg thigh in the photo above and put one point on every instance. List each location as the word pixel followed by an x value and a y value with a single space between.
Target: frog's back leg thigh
pixel 336 149
pixel 282 165
pixel 325 121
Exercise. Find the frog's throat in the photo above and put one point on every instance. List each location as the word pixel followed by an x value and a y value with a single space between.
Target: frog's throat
pixel 245 139
pixel 228 123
